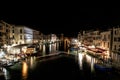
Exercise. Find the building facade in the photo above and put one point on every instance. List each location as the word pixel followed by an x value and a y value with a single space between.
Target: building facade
pixel 115 53
pixel 4 34
pixel 21 35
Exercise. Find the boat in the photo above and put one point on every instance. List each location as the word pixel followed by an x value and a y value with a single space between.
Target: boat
pixel 103 67
pixel 74 48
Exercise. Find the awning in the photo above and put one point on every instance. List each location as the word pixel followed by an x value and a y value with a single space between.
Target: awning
pixel 100 49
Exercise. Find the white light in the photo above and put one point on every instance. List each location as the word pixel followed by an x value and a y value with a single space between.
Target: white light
pixel 2 54
pixel 91 46
pixel 80 56
pixel 75 40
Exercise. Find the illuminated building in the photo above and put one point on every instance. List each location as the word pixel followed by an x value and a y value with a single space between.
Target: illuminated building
pixel 21 35
pixel 87 38
pixel 106 42
pixel 4 34
pixel 36 36
pixel 100 40
pixel 53 37
pixel 17 36
pixel 116 39
pixel 96 38
pixel 115 54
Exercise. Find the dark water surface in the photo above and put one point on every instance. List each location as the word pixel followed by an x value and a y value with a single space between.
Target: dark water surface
pixel 57 68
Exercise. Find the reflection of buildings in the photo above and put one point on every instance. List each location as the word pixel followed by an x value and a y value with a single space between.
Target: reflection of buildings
pixel 24 70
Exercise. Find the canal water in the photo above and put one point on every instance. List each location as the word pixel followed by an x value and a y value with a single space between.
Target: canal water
pixel 62 67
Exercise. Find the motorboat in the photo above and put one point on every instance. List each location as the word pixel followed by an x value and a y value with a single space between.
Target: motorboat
pixel 74 48
pixel 103 66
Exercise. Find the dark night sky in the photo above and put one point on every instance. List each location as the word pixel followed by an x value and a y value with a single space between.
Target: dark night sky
pixel 64 22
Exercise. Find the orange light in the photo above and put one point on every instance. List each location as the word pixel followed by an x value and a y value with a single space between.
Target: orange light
pixel 24 70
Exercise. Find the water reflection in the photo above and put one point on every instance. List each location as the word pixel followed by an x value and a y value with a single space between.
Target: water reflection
pixel 92 64
pixel 80 58
pixel 57 46
pixel 40 47
pixel 32 62
pixel 6 73
pixel 91 61
pixel 43 50
pixel 54 47
pixel 50 48
pixel 24 71
pixel 27 67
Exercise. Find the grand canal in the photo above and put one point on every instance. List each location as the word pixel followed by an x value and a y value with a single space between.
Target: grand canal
pixel 73 67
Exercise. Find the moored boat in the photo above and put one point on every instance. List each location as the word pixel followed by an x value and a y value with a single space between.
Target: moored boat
pixel 103 66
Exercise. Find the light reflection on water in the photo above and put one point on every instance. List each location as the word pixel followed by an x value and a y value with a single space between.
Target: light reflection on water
pixel 30 62
pixel 92 64
pixel 6 73
pixel 80 57
pixel 24 71
pixel 50 48
pixel 44 50
pixel 90 60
